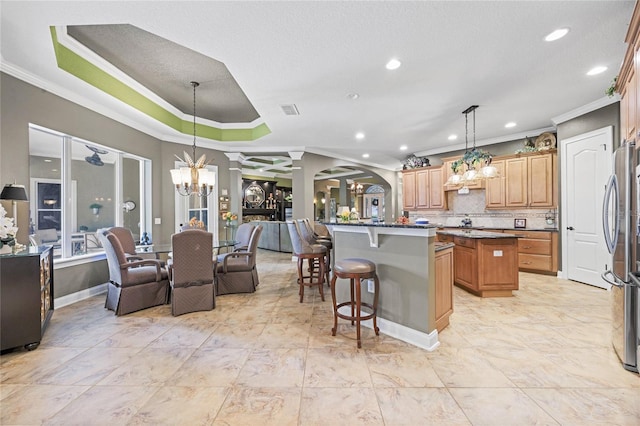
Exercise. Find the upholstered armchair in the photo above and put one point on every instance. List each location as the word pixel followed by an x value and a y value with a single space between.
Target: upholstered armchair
pixel 243 236
pixel 237 272
pixel 125 237
pixel 133 285
pixel 192 270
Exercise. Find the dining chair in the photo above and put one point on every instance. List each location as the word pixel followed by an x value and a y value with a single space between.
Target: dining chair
pixel 133 285
pixel 237 273
pixel 192 272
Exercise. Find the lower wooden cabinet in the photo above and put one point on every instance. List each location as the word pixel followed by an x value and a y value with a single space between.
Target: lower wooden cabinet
pixel 538 251
pixel 486 267
pixel 444 287
pixel 26 297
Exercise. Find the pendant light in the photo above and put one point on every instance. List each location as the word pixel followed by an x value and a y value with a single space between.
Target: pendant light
pixel 194 179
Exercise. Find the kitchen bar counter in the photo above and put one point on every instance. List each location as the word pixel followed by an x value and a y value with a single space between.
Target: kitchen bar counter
pixel 405 263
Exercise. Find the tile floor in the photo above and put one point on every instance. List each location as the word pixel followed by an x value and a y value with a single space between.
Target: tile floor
pixel 541 357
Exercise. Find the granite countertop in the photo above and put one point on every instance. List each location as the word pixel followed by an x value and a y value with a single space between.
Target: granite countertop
pixel 381 225
pixel 480 228
pixel 443 246
pixel 476 234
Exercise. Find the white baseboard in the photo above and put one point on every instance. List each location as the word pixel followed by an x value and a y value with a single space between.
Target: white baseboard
pixel 72 298
pixel 401 332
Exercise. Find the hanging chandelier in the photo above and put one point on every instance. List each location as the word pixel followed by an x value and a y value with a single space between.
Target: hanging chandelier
pixel 356 188
pixel 194 179
pixel 477 162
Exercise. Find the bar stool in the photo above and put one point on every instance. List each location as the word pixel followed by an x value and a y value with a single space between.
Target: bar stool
pixel 306 232
pixel 355 269
pixel 314 253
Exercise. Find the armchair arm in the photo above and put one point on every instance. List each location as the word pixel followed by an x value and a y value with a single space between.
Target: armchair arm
pixel 246 254
pixel 145 262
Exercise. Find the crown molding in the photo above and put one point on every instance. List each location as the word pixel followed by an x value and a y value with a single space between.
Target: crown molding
pixel 585 109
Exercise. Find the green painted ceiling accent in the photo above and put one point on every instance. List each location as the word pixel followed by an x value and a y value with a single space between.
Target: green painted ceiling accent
pixel 92 74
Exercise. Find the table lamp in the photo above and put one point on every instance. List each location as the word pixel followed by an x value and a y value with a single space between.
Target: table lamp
pixel 14 193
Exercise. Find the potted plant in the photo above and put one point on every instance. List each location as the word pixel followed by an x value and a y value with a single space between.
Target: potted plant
pixel 95 208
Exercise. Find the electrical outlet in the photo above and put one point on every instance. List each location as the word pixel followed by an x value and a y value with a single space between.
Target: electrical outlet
pixel 370 286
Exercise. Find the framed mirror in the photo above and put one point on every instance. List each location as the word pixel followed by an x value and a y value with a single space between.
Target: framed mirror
pixel 254 196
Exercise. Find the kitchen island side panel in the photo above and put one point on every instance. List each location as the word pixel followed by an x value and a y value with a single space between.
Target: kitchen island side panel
pixel 405 267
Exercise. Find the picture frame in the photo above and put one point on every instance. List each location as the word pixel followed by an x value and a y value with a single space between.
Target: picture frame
pixel 520 223
pixel 224 192
pixel 224 206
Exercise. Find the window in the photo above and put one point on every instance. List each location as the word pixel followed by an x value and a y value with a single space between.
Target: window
pixel 204 209
pixel 80 187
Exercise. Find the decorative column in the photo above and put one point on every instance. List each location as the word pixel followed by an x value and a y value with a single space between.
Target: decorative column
pixel 235 182
pixel 302 188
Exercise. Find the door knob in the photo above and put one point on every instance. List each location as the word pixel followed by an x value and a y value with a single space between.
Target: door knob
pixel 570 228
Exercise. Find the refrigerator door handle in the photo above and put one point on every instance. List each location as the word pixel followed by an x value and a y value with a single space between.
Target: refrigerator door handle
pixel 611 191
pixel 613 282
pixel 635 281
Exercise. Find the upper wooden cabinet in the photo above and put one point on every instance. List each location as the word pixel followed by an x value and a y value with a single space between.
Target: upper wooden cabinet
pixel 627 84
pixel 423 189
pixel 495 191
pixel 526 181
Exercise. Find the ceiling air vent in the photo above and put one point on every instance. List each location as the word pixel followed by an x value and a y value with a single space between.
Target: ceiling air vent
pixel 291 109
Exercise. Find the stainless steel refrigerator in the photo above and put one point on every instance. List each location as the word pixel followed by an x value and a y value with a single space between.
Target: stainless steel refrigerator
pixel 622 233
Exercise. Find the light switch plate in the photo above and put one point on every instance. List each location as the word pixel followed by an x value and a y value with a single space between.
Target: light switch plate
pixel 497 253
pixel 157 221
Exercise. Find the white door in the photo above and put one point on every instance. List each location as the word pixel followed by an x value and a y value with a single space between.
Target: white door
pixel 586 166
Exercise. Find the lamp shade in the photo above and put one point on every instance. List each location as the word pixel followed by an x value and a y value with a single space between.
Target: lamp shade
pixel 14 192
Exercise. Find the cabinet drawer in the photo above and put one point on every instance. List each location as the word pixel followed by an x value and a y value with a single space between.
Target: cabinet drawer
pixel 526 245
pixel 534 261
pixel 464 242
pixel 445 238
pixel 534 235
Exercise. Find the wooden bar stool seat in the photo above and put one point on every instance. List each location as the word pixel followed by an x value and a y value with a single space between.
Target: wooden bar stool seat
pixel 315 255
pixel 355 269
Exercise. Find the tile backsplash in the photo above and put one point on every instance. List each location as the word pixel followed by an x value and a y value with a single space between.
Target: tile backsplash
pixel 473 204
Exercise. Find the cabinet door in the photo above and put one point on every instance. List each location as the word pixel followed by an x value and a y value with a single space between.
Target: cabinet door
pixel 409 190
pixel 422 188
pixel 495 190
pixel 437 196
pixel 465 267
pixel 541 181
pixel 516 182
pixel 444 287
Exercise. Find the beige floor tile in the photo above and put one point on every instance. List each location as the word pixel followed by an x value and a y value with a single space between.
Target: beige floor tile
pixel 463 367
pixel 500 407
pixel 234 335
pixel 175 405
pixel 419 406
pixel 27 367
pixel 209 367
pixel 277 335
pixel 260 406
pixel 89 367
pixel 104 405
pixel 336 367
pixel 589 406
pixel 402 370
pixel 33 404
pixel 150 367
pixel 273 368
pixel 334 406
pixel 189 334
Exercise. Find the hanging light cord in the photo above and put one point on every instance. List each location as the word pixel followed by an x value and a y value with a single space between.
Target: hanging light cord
pixel 194 84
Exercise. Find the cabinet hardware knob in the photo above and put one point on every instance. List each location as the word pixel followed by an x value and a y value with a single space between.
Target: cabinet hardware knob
pixel 570 228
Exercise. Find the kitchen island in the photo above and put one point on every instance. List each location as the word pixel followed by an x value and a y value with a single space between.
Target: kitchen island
pixel 486 263
pixel 405 263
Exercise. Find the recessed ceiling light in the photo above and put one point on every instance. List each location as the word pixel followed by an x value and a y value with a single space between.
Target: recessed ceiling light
pixel 452 137
pixel 403 147
pixel 557 34
pixel 353 96
pixel 597 70
pixel 365 155
pixel 510 125
pixel 47 160
pixel 54 170
pixel 359 135
pixel 393 64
